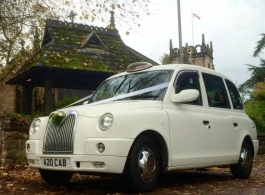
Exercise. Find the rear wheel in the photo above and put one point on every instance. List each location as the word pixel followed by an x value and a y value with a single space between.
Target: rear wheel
pixel 55 177
pixel 243 168
pixel 142 166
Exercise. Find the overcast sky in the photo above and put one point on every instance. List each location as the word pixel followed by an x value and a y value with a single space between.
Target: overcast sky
pixel 233 26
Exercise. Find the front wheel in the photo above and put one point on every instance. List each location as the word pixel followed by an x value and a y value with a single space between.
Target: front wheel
pixel 142 166
pixel 55 177
pixel 243 168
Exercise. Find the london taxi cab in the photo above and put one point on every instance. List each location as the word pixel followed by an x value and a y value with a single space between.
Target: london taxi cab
pixel 146 121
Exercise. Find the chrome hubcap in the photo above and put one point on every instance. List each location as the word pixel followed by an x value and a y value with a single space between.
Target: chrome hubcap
pixel 245 158
pixel 147 165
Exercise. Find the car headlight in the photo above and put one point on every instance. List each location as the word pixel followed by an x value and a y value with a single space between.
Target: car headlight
pixel 35 125
pixel 105 121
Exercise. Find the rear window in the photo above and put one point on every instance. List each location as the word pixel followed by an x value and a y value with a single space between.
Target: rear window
pixel 234 95
pixel 216 92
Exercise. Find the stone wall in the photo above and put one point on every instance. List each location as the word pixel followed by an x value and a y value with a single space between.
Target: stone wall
pixel 12 143
pixel 7 97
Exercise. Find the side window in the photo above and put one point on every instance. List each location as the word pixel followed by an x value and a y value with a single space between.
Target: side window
pixel 235 97
pixel 188 80
pixel 215 90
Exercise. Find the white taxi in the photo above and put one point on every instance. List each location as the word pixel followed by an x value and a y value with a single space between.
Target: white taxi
pixel 146 121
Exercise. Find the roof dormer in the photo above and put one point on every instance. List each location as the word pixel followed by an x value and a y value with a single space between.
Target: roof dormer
pixel 47 38
pixel 93 44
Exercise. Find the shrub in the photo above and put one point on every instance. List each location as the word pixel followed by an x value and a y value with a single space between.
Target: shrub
pixel 66 101
pixel 256 111
pixel 20 120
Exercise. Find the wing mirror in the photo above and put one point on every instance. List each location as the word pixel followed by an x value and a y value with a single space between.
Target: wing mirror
pixel 186 95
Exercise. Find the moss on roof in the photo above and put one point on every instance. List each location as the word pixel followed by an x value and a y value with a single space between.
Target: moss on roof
pixel 62 45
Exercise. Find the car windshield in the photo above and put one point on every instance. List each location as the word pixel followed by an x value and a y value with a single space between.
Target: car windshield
pixel 133 82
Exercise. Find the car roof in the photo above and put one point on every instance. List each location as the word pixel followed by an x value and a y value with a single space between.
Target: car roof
pixel 173 67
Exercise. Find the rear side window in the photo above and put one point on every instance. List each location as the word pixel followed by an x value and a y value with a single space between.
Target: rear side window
pixel 215 90
pixel 234 95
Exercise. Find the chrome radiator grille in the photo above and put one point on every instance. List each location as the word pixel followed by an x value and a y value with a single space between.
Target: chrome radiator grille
pixel 60 140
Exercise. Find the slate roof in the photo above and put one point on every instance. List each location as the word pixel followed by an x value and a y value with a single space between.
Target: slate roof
pixel 85 47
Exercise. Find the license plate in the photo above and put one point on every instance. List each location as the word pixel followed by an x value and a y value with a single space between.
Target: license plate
pixel 56 162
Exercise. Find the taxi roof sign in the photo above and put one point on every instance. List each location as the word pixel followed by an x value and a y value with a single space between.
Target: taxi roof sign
pixel 137 66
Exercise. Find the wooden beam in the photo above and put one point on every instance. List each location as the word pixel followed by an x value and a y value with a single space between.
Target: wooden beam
pixel 27 106
pixel 49 105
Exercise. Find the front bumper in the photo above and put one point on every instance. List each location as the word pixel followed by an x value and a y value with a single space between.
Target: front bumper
pixel 86 163
pixel 89 159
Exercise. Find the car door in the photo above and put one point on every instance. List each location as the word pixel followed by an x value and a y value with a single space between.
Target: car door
pixel 190 135
pixel 239 117
pixel 222 121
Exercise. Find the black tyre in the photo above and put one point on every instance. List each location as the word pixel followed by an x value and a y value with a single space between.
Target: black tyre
pixel 243 168
pixel 142 166
pixel 55 177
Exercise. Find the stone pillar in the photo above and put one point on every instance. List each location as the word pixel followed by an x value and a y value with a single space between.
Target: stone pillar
pixel 5 123
pixel 12 143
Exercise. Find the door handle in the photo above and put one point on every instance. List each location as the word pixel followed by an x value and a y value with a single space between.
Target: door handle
pixel 207 124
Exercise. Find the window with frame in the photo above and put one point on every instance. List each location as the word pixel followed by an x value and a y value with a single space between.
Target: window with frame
pixel 234 95
pixel 188 80
pixel 215 90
